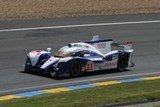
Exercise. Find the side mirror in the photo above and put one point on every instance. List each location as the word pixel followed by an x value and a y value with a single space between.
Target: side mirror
pixel 49 49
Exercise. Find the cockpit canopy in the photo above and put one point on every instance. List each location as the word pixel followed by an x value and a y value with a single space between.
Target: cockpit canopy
pixel 76 50
pixel 68 51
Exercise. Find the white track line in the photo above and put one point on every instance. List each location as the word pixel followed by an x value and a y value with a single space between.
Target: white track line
pixel 81 25
pixel 81 81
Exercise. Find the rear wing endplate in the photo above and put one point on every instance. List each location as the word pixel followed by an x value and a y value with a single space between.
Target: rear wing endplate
pixel 127 46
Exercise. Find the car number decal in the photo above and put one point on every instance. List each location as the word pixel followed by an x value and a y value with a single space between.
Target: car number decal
pixel 89 67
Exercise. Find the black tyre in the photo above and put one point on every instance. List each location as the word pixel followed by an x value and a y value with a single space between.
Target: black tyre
pixel 75 68
pixel 56 76
pixel 28 65
pixel 122 62
pixel 59 66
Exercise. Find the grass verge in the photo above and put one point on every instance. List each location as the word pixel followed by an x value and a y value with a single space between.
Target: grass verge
pixel 121 93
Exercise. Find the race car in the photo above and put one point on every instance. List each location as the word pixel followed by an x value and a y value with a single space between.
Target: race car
pixel 77 58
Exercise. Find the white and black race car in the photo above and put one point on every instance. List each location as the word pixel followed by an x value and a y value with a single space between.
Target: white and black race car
pixel 77 58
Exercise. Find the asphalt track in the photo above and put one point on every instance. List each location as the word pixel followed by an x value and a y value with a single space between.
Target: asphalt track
pixel 14 45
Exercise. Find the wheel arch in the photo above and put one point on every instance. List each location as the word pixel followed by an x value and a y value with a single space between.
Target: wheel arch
pixel 65 68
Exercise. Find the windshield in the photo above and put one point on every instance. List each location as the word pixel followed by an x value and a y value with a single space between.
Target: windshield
pixel 75 51
pixel 63 52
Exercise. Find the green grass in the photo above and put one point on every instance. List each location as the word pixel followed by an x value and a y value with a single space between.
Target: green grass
pixel 121 93
pixel 157 106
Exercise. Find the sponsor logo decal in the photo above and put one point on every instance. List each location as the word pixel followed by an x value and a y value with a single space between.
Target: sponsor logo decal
pixel 110 64
pixel 101 45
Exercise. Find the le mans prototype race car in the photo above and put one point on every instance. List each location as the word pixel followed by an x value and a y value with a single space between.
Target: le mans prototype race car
pixel 77 58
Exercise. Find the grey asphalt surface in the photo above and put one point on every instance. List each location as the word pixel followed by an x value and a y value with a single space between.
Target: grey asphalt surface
pixel 15 45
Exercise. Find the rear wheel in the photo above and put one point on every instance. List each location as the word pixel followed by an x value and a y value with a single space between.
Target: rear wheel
pixel 122 63
pixel 75 68
pixel 28 65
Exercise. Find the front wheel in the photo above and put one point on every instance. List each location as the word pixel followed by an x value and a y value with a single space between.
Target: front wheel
pixel 27 65
pixel 75 68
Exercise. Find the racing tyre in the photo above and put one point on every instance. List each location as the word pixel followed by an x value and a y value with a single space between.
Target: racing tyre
pixel 75 68
pixel 60 65
pixel 56 76
pixel 122 63
pixel 28 65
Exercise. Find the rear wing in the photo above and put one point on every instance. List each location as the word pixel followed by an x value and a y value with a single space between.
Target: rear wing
pixel 103 46
pixel 95 38
pixel 127 46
